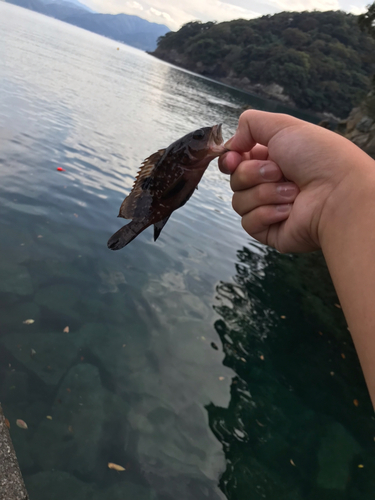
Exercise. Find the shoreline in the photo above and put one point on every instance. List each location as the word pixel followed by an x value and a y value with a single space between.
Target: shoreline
pixel 271 91
pixel 12 485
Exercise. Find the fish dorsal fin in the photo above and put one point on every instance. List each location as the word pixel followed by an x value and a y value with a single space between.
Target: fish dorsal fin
pixel 144 173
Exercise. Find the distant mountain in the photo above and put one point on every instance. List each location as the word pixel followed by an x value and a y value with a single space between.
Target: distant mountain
pixel 131 30
pixel 70 3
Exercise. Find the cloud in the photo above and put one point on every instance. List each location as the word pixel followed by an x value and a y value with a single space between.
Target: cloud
pixel 167 11
pixel 160 14
pixel 134 5
pixel 354 9
pixel 174 14
pixel 301 5
pixel 231 8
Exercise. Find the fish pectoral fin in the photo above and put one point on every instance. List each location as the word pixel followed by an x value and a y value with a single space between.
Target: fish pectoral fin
pixel 187 197
pixel 174 188
pixel 159 226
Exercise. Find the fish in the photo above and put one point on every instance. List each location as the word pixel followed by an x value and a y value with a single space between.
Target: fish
pixel 165 182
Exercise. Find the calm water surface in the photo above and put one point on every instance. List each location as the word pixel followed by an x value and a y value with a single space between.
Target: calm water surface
pixel 205 365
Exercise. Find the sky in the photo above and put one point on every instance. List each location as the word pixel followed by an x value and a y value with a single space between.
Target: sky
pixel 175 13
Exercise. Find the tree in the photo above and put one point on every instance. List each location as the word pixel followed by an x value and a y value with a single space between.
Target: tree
pixel 295 37
pixel 322 59
pixel 366 21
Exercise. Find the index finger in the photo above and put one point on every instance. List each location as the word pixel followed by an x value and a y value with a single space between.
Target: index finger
pixel 228 162
pixel 258 127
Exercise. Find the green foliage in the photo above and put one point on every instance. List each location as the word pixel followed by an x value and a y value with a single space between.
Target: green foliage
pixel 295 37
pixel 366 21
pixel 322 59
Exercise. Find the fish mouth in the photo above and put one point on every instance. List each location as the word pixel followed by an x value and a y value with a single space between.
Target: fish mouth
pixel 216 141
pixel 216 134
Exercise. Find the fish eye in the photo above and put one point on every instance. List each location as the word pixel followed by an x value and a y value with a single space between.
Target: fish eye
pixel 198 134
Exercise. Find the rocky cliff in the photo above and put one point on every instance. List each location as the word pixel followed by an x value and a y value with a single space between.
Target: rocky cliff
pixel 359 127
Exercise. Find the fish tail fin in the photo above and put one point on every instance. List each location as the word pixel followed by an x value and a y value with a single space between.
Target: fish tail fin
pixel 125 235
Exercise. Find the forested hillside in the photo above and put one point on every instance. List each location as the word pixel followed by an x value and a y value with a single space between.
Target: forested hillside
pixel 321 60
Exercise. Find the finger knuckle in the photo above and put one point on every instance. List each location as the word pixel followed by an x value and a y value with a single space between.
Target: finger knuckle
pixel 262 194
pixel 236 204
pixel 242 178
pixel 250 222
pixel 263 217
pixel 246 223
pixel 265 214
pixel 244 117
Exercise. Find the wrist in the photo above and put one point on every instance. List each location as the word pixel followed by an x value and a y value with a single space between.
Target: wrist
pixel 349 210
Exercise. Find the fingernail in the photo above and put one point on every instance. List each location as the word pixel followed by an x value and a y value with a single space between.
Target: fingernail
pixel 284 208
pixel 269 171
pixel 286 190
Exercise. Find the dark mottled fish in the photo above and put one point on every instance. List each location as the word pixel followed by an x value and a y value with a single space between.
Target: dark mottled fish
pixel 165 182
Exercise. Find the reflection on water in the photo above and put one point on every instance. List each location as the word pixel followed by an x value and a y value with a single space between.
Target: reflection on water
pixel 299 423
pixel 139 379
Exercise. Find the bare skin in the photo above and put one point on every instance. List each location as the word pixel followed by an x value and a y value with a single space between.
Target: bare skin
pixel 299 187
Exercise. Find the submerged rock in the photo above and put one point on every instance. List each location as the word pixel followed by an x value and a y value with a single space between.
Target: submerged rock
pixel 124 490
pixel 119 350
pixel 337 451
pixel 83 415
pixel 23 451
pixel 14 387
pixel 111 281
pixel 15 244
pixel 57 485
pixel 172 460
pixel 54 353
pixel 12 318
pixel 15 278
pixel 178 454
pixel 61 299
pixel 42 272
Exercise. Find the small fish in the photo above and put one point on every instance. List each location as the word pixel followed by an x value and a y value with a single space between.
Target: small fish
pixel 165 182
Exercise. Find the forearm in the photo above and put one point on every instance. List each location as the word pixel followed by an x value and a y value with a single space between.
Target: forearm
pixel 334 208
pixel 347 237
